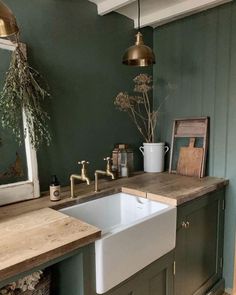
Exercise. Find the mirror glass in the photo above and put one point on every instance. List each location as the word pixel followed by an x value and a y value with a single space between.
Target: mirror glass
pixel 13 162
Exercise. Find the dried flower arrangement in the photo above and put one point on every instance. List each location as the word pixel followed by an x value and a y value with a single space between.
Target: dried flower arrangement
pixel 139 107
pixel 23 92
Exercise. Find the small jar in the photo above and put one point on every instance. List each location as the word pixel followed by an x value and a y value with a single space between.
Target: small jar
pixel 124 171
pixel 122 158
pixel 55 189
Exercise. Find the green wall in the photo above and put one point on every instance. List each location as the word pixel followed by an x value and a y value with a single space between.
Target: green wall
pixel 80 53
pixel 197 56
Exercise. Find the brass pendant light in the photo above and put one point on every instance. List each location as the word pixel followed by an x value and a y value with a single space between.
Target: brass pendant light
pixel 8 25
pixel 139 54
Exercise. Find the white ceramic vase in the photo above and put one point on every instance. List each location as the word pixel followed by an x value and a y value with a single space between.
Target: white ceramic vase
pixel 153 156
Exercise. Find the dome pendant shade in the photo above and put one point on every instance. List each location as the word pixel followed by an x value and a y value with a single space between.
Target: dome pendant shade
pixel 8 25
pixel 139 55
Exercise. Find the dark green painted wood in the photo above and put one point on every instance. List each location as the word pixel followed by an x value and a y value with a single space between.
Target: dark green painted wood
pixel 49 264
pixel 76 276
pixel 222 88
pixel 157 278
pixel 196 56
pixel 80 55
pixel 199 248
pixel 68 276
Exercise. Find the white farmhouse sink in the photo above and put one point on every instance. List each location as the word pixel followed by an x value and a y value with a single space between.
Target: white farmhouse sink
pixel 135 232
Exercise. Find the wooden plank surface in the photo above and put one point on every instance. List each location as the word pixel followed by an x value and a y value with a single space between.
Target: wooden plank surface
pixel 36 237
pixel 172 188
pixel 32 234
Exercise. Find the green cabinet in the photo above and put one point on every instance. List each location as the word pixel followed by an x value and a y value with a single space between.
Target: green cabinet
pixel 155 279
pixel 192 268
pixel 199 244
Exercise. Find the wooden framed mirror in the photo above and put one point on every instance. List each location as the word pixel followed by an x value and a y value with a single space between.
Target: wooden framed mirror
pixel 18 164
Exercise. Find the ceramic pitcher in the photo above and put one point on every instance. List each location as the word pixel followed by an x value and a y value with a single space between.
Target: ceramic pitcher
pixel 153 156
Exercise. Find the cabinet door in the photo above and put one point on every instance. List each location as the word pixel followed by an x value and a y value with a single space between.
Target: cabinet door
pixel 199 245
pixel 158 278
pixel 128 288
pixel 155 279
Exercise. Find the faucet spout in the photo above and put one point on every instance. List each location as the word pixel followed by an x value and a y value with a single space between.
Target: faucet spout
pixel 109 173
pixel 87 180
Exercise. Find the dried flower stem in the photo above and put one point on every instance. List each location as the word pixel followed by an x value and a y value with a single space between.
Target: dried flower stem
pixel 23 92
pixel 139 107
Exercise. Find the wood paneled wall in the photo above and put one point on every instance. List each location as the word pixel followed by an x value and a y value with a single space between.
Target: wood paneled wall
pixel 234 287
pixel 196 67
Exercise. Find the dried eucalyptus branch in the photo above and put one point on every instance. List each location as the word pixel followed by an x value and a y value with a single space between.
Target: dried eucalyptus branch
pixel 23 93
pixel 139 107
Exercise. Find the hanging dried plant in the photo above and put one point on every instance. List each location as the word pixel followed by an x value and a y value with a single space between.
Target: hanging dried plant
pixel 23 93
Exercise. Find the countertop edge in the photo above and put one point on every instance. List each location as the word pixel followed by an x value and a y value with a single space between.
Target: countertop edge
pixel 39 260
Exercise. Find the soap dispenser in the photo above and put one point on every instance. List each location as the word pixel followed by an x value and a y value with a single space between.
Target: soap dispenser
pixel 55 189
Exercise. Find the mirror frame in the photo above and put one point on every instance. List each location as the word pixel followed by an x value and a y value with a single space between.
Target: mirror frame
pixel 29 189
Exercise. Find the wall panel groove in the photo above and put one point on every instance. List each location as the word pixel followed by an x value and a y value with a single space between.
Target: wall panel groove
pixel 204 85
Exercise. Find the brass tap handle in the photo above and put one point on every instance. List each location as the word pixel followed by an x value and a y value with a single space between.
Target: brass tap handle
pixel 84 168
pixel 83 163
pixel 108 159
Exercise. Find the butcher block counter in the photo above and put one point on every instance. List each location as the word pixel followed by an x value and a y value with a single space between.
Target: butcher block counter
pixel 33 232
pixel 32 239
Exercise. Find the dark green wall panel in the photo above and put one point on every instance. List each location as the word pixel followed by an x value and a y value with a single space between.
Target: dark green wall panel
pixel 80 55
pixel 197 57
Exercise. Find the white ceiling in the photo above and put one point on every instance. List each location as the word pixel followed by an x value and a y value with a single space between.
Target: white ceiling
pixel 155 12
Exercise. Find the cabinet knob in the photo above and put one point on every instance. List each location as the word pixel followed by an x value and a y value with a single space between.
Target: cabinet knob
pixel 185 224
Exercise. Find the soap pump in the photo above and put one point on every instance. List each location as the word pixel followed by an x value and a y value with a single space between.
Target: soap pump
pixel 55 189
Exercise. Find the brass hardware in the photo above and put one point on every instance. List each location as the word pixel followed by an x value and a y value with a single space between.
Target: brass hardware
pixel 108 172
pixel 221 262
pixel 139 55
pixel 223 205
pixel 82 177
pixel 8 25
pixel 174 268
pixel 185 224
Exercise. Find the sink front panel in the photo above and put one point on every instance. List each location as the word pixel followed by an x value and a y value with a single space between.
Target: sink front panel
pixel 121 255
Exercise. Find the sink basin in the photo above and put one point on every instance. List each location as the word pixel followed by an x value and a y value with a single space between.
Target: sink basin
pixel 135 232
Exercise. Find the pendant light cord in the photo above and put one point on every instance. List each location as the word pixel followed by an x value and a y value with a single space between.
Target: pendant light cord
pixel 139 14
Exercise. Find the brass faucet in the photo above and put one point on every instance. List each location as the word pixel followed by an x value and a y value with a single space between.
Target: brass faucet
pixel 108 172
pixel 82 177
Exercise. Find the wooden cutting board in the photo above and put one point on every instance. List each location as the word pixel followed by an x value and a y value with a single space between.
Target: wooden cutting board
pixel 190 160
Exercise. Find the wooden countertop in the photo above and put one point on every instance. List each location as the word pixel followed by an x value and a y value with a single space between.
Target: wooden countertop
pixel 36 237
pixel 32 233
pixel 171 188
